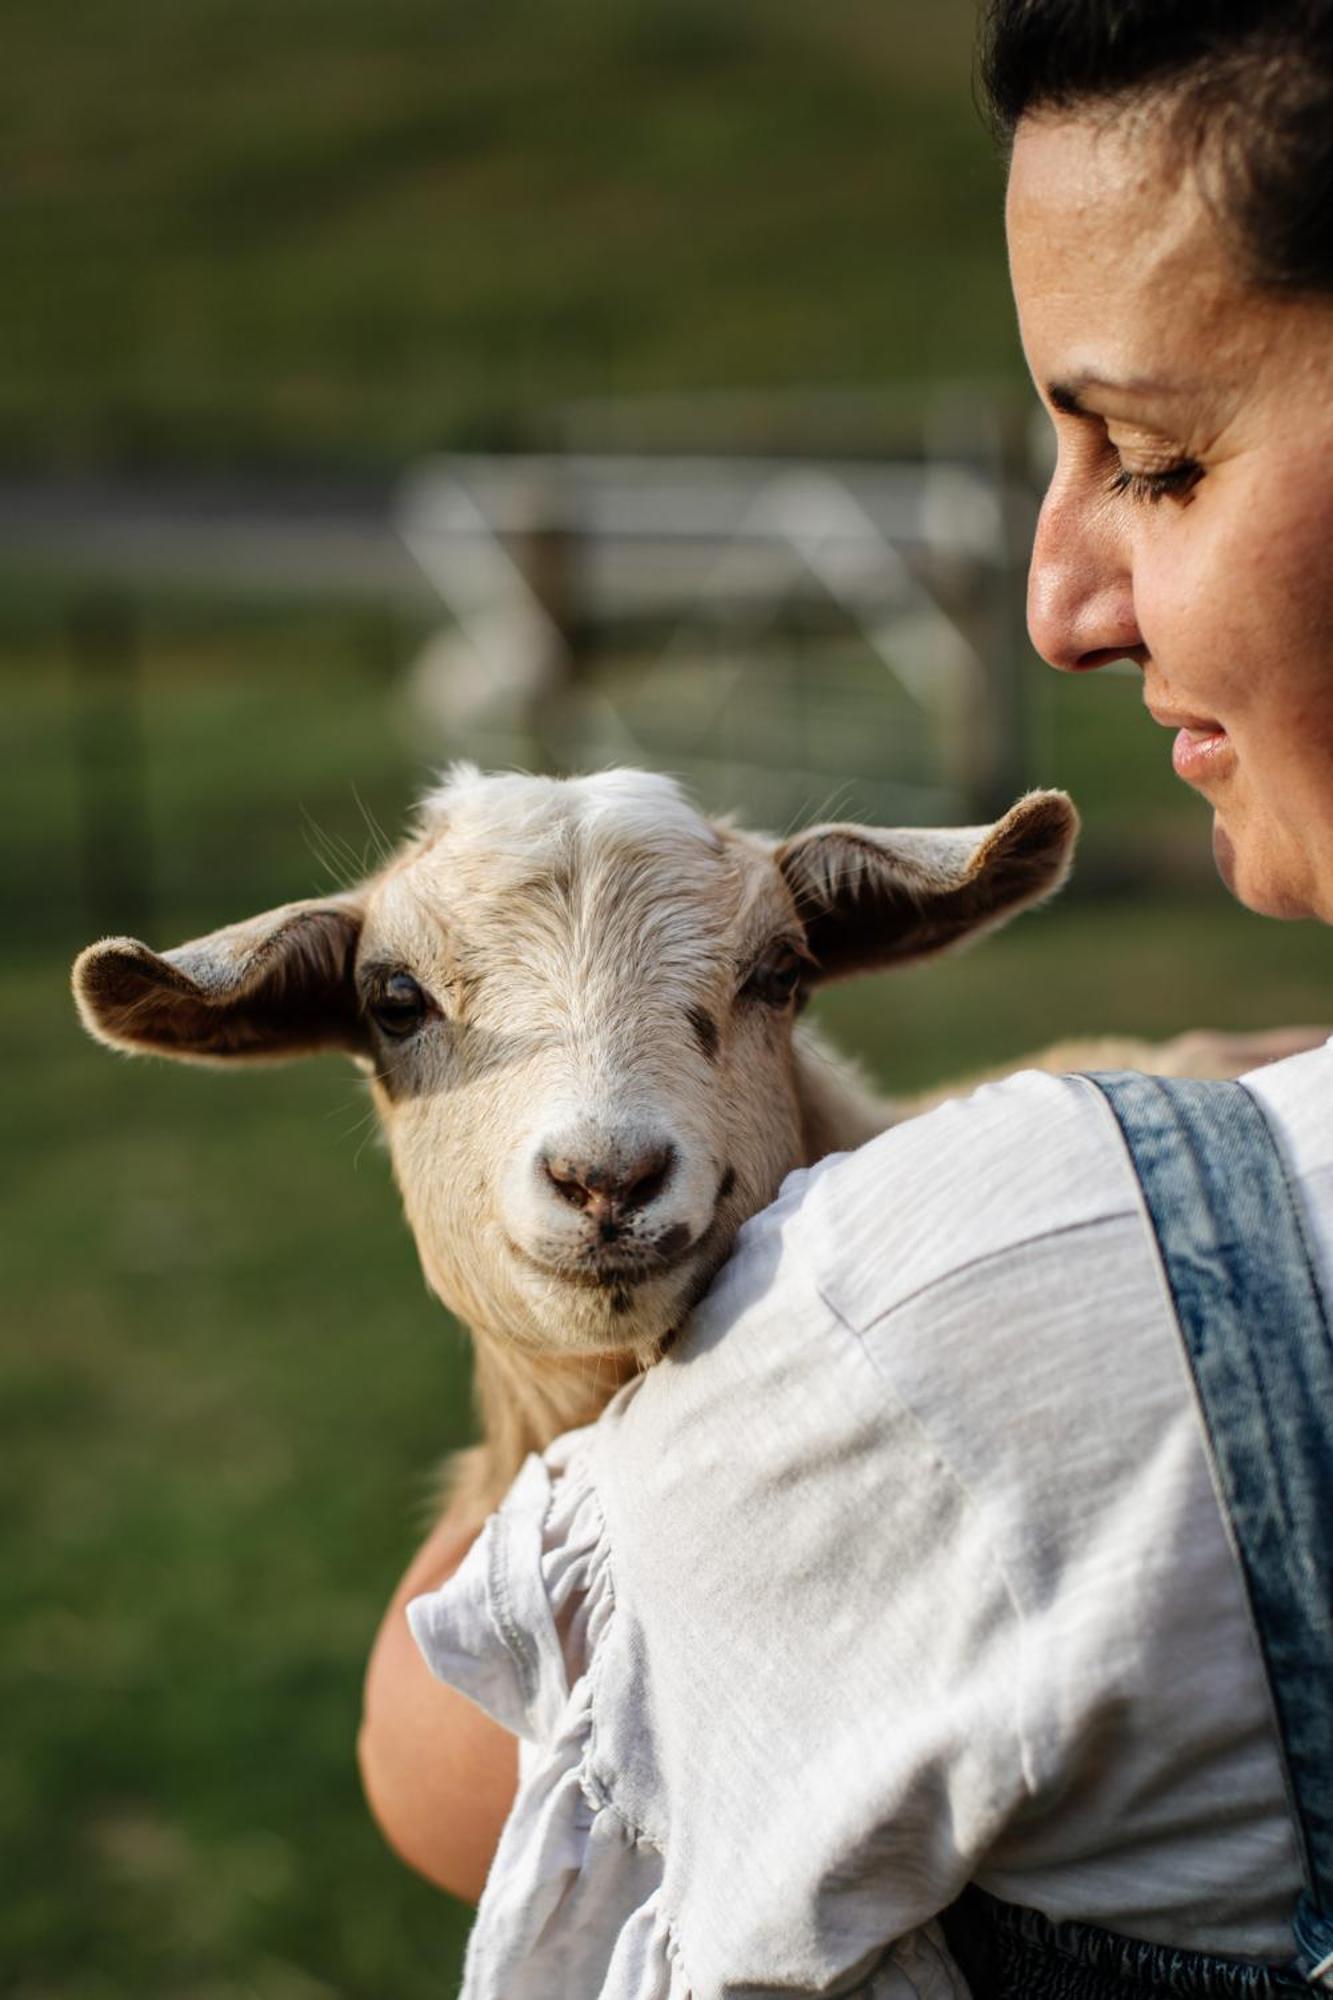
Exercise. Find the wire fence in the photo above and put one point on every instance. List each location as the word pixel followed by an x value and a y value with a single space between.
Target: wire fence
pixel 216 689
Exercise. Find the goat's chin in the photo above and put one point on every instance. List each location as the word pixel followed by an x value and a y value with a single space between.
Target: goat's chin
pixel 615 1316
pixel 639 1319
pixel 621 1298
pixel 575 1308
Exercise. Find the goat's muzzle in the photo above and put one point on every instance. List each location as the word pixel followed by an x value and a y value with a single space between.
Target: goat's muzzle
pixel 610 1190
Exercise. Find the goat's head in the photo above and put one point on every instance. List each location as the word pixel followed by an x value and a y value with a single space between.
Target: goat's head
pixel 575 1002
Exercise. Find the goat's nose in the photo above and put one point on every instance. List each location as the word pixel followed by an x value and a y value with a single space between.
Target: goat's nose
pixel 614 1186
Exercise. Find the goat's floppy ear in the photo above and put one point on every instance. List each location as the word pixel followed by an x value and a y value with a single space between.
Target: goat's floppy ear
pixel 878 896
pixel 276 985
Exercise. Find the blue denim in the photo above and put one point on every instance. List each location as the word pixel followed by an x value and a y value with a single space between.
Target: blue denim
pixel 1255 1327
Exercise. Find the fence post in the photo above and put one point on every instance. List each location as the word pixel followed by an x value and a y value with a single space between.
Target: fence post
pixel 549 557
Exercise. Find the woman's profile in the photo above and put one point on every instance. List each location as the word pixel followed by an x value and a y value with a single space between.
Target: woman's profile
pixel 969 1557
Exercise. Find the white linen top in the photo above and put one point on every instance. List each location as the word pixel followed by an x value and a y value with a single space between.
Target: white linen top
pixel 903 1569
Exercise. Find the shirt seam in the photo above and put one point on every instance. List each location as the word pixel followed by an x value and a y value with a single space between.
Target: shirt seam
pixel 1029 1762
pixel 1026 1757
pixel 977 1263
pixel 515 1639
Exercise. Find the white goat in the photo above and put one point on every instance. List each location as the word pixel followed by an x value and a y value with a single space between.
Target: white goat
pixel 576 1003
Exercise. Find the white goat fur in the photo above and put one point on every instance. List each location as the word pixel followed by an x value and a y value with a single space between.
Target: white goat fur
pixel 588 951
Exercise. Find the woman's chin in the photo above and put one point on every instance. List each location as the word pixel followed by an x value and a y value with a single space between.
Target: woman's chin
pixel 1258 883
pixel 1224 855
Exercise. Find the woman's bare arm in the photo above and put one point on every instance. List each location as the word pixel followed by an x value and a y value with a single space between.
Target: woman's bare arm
pixel 439 1775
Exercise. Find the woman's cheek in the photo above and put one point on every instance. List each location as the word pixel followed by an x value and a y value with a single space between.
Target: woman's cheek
pixel 1181 601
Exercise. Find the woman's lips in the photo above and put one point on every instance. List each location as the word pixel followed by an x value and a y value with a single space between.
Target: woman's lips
pixel 1198 755
pixel 1202 750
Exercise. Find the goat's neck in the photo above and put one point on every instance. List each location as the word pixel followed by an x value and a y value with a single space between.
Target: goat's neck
pixel 524 1399
pixel 838 1110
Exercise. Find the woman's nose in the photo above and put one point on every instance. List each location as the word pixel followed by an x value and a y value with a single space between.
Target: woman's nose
pixel 1080 584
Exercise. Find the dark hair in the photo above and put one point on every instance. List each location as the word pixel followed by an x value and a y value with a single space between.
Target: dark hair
pixel 1247 85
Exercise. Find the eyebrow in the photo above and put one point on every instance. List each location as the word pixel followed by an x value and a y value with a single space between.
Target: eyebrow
pixel 1067 397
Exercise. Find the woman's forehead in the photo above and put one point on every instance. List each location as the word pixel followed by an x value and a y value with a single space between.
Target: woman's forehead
pixel 1112 240
pixel 1097 173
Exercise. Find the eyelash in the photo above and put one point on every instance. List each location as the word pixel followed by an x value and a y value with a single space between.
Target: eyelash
pixel 1174 482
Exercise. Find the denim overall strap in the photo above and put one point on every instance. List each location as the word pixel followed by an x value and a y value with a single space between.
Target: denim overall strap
pixel 1255 1328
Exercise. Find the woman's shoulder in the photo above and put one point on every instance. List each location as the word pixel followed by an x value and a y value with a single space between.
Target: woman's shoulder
pixel 939 1272
pixel 1008 1168
pixel 1011 1164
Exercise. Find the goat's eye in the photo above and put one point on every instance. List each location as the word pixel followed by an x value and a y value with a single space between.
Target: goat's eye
pixel 398 1005
pixel 776 977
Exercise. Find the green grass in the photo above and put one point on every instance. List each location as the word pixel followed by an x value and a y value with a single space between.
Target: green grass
pixel 327 231
pixel 223 1392
pixel 223 1389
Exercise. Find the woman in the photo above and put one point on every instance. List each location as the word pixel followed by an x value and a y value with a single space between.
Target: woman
pixel 907 1570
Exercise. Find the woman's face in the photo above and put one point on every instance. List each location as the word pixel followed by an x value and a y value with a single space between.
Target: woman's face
pixel 1189 523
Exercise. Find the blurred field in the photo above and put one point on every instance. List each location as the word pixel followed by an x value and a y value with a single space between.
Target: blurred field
pixel 326 231
pixel 222 1386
